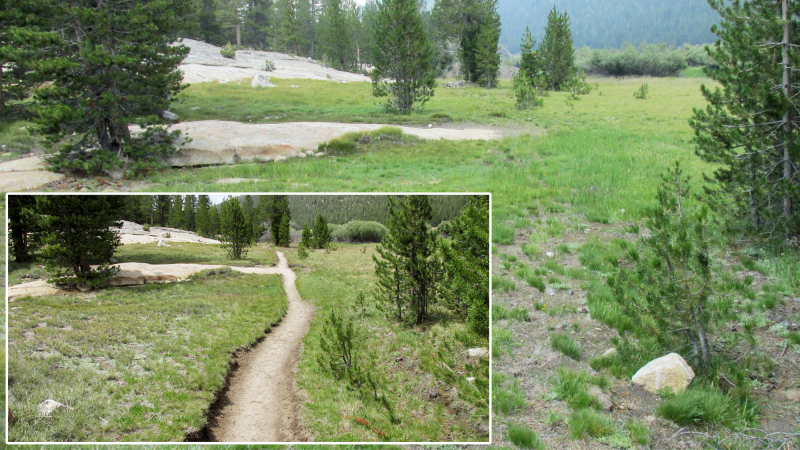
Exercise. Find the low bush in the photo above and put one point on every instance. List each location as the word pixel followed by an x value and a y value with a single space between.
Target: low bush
pixel 655 60
pixel 641 93
pixel 359 231
pixel 228 51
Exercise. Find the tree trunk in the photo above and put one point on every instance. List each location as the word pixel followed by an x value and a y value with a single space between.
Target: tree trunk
pixel 238 34
pixel 752 191
pixel 787 116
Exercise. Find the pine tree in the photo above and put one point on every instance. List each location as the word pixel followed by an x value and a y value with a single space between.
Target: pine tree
pixel 487 57
pixel 76 233
pixel 284 232
pixel 208 26
pixel 754 179
pixel 162 209
pixel 201 218
pixel 21 227
pixel 236 233
pixel 466 263
pixel 213 222
pixel 529 83
pixel 231 14
pixel 175 219
pixel 321 235
pixel 408 266
pixel 274 208
pixel 402 56
pixel 336 43
pixel 305 238
pixel 291 28
pixel 556 51
pixel 189 212
pixel 114 64
pixel 258 23
pixel 529 61
pixel 461 21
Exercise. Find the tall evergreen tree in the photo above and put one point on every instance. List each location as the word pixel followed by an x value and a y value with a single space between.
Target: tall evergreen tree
pixel 755 179
pixel 402 56
pixel 236 233
pixel 487 56
pixel 208 26
pixel 189 212
pixel 321 235
pixel 162 209
pixel 201 218
pixel 21 227
pixel 275 208
pixel 284 232
pixel 336 42
pixel 292 38
pixel 213 222
pixel 408 265
pixel 175 219
pixel 529 60
pixel 258 23
pixel 231 15
pixel 76 233
pixel 305 237
pixel 461 21
pixel 556 51
pixel 466 260
pixel 114 64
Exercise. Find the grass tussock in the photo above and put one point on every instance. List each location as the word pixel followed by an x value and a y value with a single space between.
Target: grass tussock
pixel 147 359
pixel 585 422
pixel 566 345
pixel 573 388
pixel 524 437
pixel 701 405
pixel 507 395
pixel 352 142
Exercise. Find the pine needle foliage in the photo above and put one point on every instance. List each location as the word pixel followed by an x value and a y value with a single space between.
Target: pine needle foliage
pixel 236 233
pixel 556 51
pixel 402 56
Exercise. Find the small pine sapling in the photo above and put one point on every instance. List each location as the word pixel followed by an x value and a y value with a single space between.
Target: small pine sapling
pixel 337 344
pixel 641 93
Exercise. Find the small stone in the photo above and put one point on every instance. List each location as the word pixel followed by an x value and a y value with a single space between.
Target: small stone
pixel 280 158
pixel 301 155
pixel 163 243
pixel 610 352
pixel 195 108
pixel 792 395
pixel 471 379
pixel 550 254
pixel 582 310
pixel 170 116
pixel 48 406
pixel 550 291
pixel 319 154
pixel 478 352
pixel 262 80
pixel 430 125
pixel 294 86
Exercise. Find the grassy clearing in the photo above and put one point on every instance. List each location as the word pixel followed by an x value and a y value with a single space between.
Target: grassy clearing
pixel 193 253
pixel 17 140
pixel 136 364
pixel 423 371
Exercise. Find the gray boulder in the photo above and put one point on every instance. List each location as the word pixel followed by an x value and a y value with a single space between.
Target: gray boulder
pixel 170 116
pixel 261 80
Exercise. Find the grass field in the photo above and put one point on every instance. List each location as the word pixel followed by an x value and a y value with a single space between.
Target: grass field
pixel 423 371
pixel 193 253
pixel 135 364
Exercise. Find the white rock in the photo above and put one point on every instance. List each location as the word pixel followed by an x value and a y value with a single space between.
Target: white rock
pixel 261 80
pixel 163 243
pixel 478 352
pixel 279 158
pixel 294 86
pixel 319 154
pixel 48 406
pixel 171 116
pixel 301 155
pixel 430 125
pixel 195 108
pixel 550 254
pixel 670 371
pixel 610 352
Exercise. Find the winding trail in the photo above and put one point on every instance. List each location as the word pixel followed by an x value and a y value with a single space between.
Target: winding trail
pixel 262 401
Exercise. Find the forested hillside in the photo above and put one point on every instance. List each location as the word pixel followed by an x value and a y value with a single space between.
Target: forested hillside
pixel 605 24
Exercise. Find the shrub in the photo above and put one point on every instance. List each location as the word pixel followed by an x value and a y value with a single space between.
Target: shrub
pixel 302 251
pixel 146 227
pixel 566 345
pixel 359 231
pixel 269 65
pixel 641 93
pixel 529 90
pixel 337 344
pixel 524 437
pixel 588 422
pixel 228 51
pixel 645 60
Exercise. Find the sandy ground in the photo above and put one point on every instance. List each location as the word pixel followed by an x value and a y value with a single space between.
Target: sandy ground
pixel 205 64
pixel 226 142
pixel 262 402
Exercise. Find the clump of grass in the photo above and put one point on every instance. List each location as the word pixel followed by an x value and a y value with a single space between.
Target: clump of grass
pixel 507 395
pixel 531 250
pixel 502 235
pixel 585 422
pixel 524 437
pixel 639 433
pixel 566 345
pixel 794 337
pixel 502 340
pixel 520 314
pixel 499 312
pixel 502 284
pixel 349 143
pixel 702 405
pixel 573 388
pixel 564 248
pixel 535 281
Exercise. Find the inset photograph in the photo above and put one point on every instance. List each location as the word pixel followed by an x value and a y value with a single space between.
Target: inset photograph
pixel 248 318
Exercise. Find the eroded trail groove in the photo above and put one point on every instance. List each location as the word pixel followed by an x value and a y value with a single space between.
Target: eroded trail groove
pixel 262 401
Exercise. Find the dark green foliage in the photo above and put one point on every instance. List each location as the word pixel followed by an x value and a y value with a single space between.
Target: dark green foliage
pixel 652 60
pixel 284 237
pixel 406 269
pixel 337 344
pixel 336 28
pixel 466 257
pixel 202 216
pixel 208 26
pixel 666 282
pixel 274 208
pixel 360 231
pixel 112 65
pixel 748 130
pixel 302 251
pixel 21 227
pixel 573 388
pixel 402 56
pixel 305 237
pixel 701 405
pixel 320 234
pixel 461 22
pixel 258 27
pixel 236 233
pixel 487 56
pixel 75 234
pixel 228 51
pixel 291 29
pixel 175 218
pixel 556 52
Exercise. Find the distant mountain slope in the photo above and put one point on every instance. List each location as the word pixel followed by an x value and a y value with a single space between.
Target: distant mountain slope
pixel 612 23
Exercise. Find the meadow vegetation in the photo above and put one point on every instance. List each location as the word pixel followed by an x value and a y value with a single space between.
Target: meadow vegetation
pixel 139 363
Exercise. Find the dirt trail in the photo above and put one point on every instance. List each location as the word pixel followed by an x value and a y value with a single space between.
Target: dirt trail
pixel 262 401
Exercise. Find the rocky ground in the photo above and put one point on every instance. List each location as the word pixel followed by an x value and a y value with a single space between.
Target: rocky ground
pixel 205 64
pixel 133 233
pixel 563 309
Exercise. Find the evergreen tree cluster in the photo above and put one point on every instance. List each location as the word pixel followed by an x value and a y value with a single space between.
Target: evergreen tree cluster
pixel 418 267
